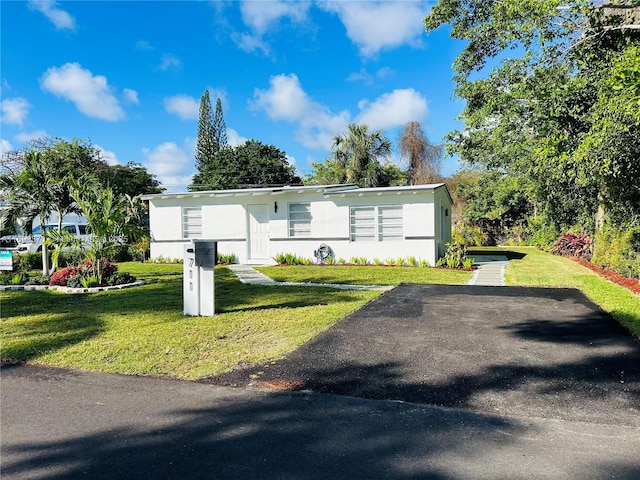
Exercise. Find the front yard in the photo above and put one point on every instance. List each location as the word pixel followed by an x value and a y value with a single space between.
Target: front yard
pixel 141 331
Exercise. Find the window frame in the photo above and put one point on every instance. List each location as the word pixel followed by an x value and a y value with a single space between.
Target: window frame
pixel 188 230
pixel 304 218
pixel 377 223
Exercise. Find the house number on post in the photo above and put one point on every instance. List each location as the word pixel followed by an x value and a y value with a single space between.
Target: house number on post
pixel 198 285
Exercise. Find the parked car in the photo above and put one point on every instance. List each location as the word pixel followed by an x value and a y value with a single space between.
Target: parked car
pixel 33 243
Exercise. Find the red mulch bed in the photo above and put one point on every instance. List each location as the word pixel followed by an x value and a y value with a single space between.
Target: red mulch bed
pixel 632 284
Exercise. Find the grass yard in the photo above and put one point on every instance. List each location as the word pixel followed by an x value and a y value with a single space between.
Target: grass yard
pixel 365 275
pixel 538 268
pixel 142 331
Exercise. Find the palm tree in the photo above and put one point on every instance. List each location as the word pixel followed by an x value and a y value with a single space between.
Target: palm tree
pixel 358 151
pixel 110 220
pixel 32 194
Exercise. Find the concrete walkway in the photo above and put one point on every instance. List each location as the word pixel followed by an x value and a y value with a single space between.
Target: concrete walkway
pixel 490 272
pixel 248 274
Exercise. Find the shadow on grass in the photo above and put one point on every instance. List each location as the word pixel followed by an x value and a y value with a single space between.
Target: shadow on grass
pixel 29 340
pixel 36 322
pixel 510 254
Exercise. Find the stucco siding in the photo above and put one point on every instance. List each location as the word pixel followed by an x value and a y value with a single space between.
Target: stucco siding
pixel 225 217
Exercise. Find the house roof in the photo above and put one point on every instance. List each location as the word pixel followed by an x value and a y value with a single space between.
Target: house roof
pixel 327 190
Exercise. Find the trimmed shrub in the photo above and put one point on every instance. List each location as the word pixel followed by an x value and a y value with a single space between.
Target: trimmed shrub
pixel 291 259
pixel 121 279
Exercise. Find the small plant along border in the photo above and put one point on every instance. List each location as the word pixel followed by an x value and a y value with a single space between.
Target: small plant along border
pixel 5 288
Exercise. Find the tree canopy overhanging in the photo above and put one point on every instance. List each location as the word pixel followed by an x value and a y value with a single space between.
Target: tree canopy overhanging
pixel 552 91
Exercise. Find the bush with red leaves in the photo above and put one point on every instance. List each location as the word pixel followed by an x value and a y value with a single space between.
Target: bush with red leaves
pixel 61 277
pixel 109 269
pixel 578 245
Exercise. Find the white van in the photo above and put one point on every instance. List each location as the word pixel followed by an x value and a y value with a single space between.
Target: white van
pixel 33 243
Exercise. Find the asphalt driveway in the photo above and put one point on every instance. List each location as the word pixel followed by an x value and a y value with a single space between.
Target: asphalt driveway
pixel 516 351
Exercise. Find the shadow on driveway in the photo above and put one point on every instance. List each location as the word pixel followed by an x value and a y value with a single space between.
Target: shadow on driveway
pixel 518 351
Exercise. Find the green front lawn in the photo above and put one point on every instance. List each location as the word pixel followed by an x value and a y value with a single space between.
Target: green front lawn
pixel 538 268
pixel 365 275
pixel 142 331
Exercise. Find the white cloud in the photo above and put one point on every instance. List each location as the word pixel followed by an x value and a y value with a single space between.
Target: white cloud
pixel 234 138
pixel 393 109
pixel 170 61
pixel 250 43
pixel 90 93
pixel 5 146
pixel 60 19
pixel 130 96
pixel 172 165
pixel 184 106
pixel 265 17
pixel 286 100
pixel 110 157
pixel 261 16
pixel 364 76
pixel 15 110
pixel 144 46
pixel 374 26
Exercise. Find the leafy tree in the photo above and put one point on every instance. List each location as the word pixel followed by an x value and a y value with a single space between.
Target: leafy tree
pixel 61 160
pixel 559 113
pixel 330 172
pixel 251 164
pixel 424 158
pixel 358 152
pixel 131 179
pixel 498 204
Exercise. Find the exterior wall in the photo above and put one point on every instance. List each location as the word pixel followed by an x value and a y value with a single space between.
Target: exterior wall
pixel 226 219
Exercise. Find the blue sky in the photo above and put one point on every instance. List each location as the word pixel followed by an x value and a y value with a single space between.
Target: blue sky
pixel 129 75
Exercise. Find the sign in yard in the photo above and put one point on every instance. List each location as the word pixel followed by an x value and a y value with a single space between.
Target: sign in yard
pixel 6 262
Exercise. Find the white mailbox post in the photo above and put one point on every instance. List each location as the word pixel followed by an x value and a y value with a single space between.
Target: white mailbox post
pixel 199 286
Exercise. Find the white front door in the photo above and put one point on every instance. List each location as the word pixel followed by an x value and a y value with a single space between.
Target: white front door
pixel 258 232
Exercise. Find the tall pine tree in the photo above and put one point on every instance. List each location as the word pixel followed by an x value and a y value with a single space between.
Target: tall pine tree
pixel 211 138
pixel 206 144
pixel 219 127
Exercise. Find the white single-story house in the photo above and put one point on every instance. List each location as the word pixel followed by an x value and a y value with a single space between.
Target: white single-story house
pixel 258 223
